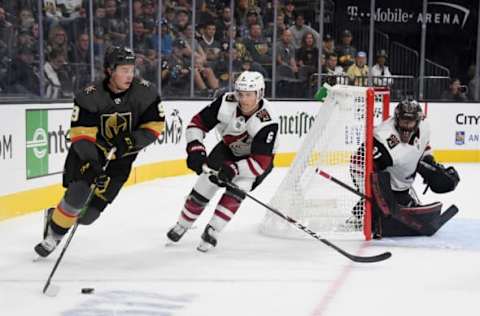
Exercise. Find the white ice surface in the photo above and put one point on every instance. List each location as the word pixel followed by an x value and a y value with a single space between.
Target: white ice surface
pixel 124 257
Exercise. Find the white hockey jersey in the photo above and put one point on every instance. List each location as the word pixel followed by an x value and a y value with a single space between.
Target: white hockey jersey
pixel 252 138
pixel 397 158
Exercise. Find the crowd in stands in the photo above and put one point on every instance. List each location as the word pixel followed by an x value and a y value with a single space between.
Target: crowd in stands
pixel 251 28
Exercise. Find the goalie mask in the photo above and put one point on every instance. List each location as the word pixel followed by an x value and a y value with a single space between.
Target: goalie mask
pixel 408 115
pixel 250 81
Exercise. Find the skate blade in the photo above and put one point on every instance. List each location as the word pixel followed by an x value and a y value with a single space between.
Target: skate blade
pixel 204 247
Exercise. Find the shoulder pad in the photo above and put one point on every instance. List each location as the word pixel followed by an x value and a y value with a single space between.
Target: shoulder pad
pixel 89 97
pixel 260 119
pixel 144 91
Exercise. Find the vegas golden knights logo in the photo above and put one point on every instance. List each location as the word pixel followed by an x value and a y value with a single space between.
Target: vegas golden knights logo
pixel 115 123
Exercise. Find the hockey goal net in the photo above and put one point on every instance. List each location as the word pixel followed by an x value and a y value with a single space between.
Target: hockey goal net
pixel 343 125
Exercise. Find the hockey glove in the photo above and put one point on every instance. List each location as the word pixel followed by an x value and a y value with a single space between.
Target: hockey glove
pixel 90 170
pixel 225 174
pixel 197 156
pixel 124 142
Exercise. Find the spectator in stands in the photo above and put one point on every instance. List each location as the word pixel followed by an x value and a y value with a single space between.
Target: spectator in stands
pixel 52 14
pixel 79 57
pixel 26 19
pixel 137 13
pixel 241 9
pixel 252 18
pixel 141 41
pixel 23 75
pixel 165 37
pixel 286 62
pixel 380 72
pixel 58 41
pixel 208 42
pixel 472 83
pixel 204 77
pixel 307 54
pixel 179 67
pixel 56 76
pixel 299 29
pixel 358 72
pixel 181 22
pixel 170 17
pixel 6 30
pixel 328 44
pixel 146 65
pixel 258 46
pixel 149 17
pixel 223 24
pixel 116 27
pixel 208 11
pixel 345 51
pixel 290 13
pixel 455 92
pixel 280 27
pixel 334 73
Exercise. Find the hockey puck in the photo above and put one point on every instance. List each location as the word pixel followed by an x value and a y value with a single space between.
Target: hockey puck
pixel 88 290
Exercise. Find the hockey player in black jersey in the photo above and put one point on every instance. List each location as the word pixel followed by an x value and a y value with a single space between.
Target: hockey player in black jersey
pixel 244 156
pixel 121 111
pixel 401 150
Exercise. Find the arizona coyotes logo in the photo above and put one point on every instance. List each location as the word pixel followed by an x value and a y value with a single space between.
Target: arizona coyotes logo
pixel 114 123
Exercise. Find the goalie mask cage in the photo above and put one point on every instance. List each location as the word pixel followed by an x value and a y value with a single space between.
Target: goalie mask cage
pixel 340 142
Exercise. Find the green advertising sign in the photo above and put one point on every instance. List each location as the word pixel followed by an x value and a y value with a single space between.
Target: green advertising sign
pixel 37 143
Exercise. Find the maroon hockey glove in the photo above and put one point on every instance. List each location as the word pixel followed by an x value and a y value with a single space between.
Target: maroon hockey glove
pixel 225 174
pixel 197 156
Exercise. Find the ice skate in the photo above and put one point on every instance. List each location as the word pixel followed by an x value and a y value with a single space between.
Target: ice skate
pixel 209 239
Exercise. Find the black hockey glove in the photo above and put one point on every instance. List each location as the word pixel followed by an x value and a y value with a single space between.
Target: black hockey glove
pixel 124 142
pixel 197 156
pixel 225 174
pixel 90 170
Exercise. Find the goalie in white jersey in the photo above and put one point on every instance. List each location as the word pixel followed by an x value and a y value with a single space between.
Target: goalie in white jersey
pixel 401 149
pixel 243 157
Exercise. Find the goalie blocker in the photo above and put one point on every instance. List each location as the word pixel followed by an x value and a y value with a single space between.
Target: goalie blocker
pixel 391 219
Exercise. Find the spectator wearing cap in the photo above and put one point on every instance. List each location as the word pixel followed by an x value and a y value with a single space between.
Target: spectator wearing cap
pixel 182 20
pixel 381 74
pixel 178 74
pixel 328 46
pixel 165 37
pixel 455 92
pixel 210 46
pixel 358 72
pixel 23 77
pixel 345 51
pixel 286 55
pixel 252 18
pixel 258 47
pixel 149 16
pixel 299 29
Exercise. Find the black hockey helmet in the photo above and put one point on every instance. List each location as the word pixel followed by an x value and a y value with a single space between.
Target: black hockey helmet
pixel 116 55
pixel 408 115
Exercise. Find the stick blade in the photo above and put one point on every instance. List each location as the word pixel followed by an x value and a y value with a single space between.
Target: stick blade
pixel 51 291
pixel 370 259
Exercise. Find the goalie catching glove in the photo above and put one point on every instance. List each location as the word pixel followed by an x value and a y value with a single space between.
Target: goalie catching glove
pixel 436 176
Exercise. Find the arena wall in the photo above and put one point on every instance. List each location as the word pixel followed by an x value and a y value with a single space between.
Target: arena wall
pixel 34 140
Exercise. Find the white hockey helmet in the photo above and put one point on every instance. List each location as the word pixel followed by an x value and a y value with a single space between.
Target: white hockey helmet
pixel 251 81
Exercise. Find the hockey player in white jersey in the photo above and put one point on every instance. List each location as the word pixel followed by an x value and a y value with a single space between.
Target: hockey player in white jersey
pixel 243 157
pixel 401 149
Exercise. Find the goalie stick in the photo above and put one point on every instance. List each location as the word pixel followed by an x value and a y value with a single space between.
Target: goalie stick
pixel 54 290
pixel 355 258
pixel 429 230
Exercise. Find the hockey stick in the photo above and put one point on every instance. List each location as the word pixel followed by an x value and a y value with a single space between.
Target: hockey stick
pixel 55 290
pixel 425 229
pixel 363 259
